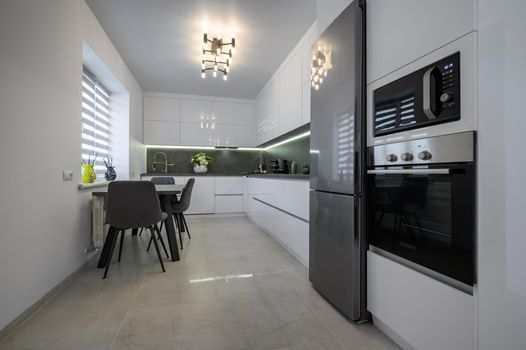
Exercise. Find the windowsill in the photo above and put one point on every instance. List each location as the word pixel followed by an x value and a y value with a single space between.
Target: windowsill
pixel 83 186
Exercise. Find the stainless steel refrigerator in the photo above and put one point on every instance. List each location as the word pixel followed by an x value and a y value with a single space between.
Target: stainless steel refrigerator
pixel 337 145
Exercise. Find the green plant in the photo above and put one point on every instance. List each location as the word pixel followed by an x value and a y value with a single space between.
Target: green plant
pixel 201 159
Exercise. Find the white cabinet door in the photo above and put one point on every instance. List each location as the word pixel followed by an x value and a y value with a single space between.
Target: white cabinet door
pixel 305 108
pixel 399 32
pixel 193 110
pixel 294 197
pixel 161 108
pixel 306 53
pixel 161 133
pixel 233 113
pixel 295 235
pixel 228 185
pixel 202 201
pixel 290 112
pixel 228 204
pixel 233 135
pixel 193 135
pixel 292 74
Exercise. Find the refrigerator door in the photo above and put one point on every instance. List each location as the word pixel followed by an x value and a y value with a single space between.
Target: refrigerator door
pixel 334 250
pixel 336 106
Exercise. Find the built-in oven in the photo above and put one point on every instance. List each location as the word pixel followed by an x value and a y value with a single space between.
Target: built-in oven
pixel 427 96
pixel 421 205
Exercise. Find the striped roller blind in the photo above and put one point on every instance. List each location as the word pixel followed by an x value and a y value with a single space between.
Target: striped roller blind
pixel 96 122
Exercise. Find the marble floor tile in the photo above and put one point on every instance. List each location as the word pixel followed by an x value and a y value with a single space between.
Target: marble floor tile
pixel 234 289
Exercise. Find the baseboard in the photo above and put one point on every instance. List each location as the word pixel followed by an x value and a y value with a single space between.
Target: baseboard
pixel 33 309
pixel 218 215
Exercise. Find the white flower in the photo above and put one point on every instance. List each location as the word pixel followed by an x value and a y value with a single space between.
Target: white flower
pixel 205 162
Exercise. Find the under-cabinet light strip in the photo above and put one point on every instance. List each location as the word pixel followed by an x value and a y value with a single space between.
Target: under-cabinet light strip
pixel 294 138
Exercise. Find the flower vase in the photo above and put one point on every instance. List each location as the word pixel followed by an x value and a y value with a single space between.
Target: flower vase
pixel 110 173
pixel 88 174
pixel 200 169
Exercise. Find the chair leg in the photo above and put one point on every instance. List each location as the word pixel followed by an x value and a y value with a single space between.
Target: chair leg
pixel 178 225
pixel 161 226
pixel 157 248
pixel 120 245
pixel 149 244
pixel 162 240
pixel 112 248
pixel 140 232
pixel 186 225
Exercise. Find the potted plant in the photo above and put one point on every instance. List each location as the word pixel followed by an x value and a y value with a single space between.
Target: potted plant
pixel 201 161
pixel 110 173
pixel 88 171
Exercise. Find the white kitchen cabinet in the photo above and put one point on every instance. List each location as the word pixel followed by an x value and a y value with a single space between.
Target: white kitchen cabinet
pixel 228 185
pixel 203 197
pixel 280 207
pixel 161 108
pixel 292 75
pixel 423 312
pixel 192 110
pixel 228 204
pixel 305 103
pixel 290 112
pixel 193 135
pixel 161 133
pixel 306 52
pixel 233 135
pixel 400 32
pixel 233 113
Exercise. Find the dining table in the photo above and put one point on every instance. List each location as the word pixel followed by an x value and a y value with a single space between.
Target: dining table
pixel 166 195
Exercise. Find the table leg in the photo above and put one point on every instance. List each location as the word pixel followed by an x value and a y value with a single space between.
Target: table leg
pixel 106 249
pixel 170 227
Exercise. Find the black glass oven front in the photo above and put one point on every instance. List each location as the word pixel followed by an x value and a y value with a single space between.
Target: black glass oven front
pixel 426 217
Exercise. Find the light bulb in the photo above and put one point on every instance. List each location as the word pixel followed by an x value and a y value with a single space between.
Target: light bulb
pixel 312 83
pixel 215 67
pixel 227 69
pixel 203 65
pixel 203 75
pixel 225 77
pixel 218 50
pixel 325 73
pixel 316 87
pixel 214 73
pixel 321 80
pixel 319 61
pixel 316 78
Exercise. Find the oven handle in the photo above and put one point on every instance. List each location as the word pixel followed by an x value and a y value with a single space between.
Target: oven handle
pixel 408 171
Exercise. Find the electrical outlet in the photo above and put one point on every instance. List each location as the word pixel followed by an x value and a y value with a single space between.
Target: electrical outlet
pixel 67 175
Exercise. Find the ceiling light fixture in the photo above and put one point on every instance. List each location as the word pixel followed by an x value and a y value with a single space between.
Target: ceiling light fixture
pixel 321 64
pixel 214 53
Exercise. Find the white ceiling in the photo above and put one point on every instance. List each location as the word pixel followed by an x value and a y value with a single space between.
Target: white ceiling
pixel 160 40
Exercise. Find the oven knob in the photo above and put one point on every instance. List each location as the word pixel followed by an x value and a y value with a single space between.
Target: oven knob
pixel 424 155
pixel 445 97
pixel 391 157
pixel 406 156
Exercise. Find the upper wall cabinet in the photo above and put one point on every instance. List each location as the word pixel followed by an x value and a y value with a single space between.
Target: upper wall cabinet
pixel 399 32
pixel 281 105
pixel 226 122
pixel 161 108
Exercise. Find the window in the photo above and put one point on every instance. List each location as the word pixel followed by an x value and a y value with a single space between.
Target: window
pixel 96 122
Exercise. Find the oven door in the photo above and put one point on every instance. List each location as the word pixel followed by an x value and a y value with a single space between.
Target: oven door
pixel 425 216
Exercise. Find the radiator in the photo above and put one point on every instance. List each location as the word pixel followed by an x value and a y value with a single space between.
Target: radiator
pixel 97 223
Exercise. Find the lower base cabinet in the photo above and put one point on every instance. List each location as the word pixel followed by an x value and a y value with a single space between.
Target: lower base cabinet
pixel 280 208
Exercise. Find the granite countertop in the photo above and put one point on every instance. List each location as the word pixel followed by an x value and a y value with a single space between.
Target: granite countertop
pixel 282 176
pixel 278 176
pixel 188 174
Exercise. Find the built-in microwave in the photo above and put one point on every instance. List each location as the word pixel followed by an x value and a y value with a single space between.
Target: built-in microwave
pixel 428 96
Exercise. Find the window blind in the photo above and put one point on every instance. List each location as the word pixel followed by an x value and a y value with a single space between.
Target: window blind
pixel 96 122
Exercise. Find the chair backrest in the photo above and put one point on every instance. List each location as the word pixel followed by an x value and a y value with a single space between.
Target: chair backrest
pixel 163 180
pixel 132 204
pixel 184 202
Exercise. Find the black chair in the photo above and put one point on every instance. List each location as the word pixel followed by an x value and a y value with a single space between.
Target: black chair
pixel 160 180
pixel 181 206
pixel 132 205
pixel 178 209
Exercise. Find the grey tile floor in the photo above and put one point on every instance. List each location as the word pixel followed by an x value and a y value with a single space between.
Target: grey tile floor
pixel 234 288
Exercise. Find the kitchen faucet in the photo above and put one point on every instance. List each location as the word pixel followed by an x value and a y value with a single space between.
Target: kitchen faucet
pixel 164 161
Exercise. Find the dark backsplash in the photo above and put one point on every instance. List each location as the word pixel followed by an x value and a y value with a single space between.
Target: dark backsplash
pixel 233 162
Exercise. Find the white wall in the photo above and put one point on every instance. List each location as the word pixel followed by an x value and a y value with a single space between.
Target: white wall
pixel 328 10
pixel 44 222
pixel 501 179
